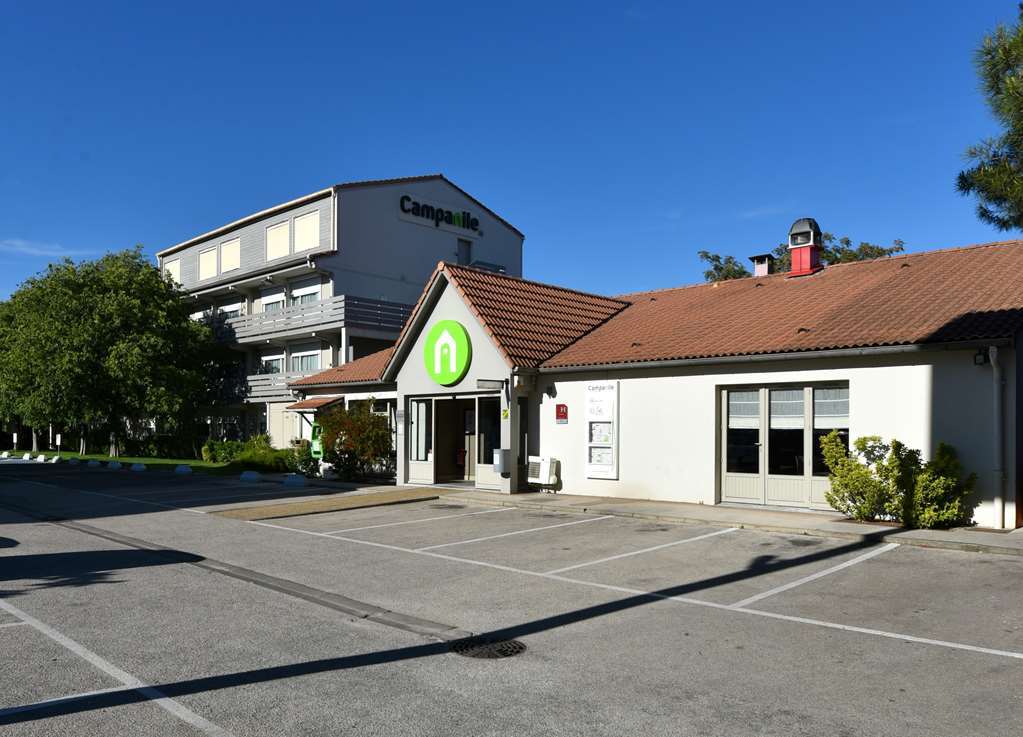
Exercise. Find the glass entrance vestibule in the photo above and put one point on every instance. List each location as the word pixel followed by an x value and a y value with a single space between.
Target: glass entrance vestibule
pixel 451 440
pixel 770 442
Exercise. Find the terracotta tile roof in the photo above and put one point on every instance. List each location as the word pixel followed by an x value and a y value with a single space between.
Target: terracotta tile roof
pixel 529 321
pixel 362 370
pixel 972 293
pixel 314 403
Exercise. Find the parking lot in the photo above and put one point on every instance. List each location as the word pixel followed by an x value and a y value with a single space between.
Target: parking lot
pixel 130 607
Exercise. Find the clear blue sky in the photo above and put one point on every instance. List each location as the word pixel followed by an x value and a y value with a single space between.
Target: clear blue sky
pixel 620 140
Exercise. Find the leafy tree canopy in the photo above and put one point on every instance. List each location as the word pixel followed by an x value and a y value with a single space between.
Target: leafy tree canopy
pixel 722 268
pixel 996 175
pixel 105 343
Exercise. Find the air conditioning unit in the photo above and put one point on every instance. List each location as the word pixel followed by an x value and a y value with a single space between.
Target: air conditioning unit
pixel 543 471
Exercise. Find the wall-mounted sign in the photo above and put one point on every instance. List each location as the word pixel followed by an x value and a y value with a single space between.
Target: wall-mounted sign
pixel 439 216
pixel 561 414
pixel 602 430
pixel 447 352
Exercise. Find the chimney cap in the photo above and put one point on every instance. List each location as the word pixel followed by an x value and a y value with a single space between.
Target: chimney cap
pixel 804 232
pixel 762 257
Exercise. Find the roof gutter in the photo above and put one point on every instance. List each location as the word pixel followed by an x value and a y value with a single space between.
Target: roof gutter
pixel 769 357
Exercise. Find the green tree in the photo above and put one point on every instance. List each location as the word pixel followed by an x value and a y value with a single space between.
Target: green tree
pixel 103 345
pixel 834 250
pixel 722 268
pixel 996 175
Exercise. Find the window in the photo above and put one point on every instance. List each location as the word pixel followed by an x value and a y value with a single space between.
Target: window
pixel 785 456
pixel 304 293
pixel 207 264
pixel 305 361
pixel 277 242
pixel 231 310
pixel 272 300
pixel 420 436
pixel 464 252
pixel 307 231
pixel 173 270
pixel 230 255
pixel 488 429
pixel 743 432
pixel 272 364
pixel 830 412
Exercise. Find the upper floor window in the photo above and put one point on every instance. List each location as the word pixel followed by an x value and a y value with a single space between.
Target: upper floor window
pixel 307 231
pixel 464 252
pixel 272 364
pixel 304 293
pixel 272 300
pixel 305 358
pixel 207 264
pixel 230 255
pixel 277 241
pixel 231 310
pixel 173 270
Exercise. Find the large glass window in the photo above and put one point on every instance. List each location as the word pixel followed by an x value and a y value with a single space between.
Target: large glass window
pixel 785 455
pixel 488 427
pixel 272 364
pixel 743 453
pixel 305 293
pixel 420 436
pixel 830 412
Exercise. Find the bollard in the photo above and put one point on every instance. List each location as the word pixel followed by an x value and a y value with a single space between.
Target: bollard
pixel 40 458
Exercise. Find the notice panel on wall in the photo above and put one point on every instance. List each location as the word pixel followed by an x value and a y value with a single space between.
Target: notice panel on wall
pixel 601 414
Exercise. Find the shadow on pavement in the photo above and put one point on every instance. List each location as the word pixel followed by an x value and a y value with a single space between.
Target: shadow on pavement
pixel 759 566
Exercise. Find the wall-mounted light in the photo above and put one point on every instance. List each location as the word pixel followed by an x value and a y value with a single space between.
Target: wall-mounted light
pixel 980 357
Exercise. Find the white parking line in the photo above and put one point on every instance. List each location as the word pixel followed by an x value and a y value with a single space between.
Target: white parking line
pixel 157 697
pixel 417 521
pixel 814 576
pixel 683 599
pixel 517 532
pixel 12 624
pixel 641 552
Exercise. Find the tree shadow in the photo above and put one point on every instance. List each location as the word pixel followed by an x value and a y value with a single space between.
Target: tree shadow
pixel 759 566
pixel 82 568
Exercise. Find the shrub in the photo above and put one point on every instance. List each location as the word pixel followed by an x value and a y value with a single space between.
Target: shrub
pixel 303 461
pixel 889 481
pixel 356 442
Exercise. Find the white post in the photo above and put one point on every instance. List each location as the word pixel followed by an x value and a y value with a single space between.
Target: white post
pixel 998 439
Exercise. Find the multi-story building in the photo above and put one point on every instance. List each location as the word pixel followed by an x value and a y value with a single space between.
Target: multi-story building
pixel 327 278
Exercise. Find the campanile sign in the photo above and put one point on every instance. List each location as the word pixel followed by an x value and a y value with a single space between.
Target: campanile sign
pixel 447 352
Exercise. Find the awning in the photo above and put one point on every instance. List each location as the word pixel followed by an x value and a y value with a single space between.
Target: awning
pixel 314 403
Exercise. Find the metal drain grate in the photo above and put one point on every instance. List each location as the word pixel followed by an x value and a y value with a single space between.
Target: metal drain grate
pixel 487 648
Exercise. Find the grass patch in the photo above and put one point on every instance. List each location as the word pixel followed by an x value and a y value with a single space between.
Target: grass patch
pixel 152 464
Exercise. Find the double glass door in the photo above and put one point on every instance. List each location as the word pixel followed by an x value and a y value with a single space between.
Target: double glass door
pixel 770 440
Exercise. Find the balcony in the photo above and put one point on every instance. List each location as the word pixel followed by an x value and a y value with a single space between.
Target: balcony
pixel 336 312
pixel 271 387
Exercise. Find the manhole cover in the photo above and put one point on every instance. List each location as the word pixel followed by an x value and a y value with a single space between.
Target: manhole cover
pixel 487 648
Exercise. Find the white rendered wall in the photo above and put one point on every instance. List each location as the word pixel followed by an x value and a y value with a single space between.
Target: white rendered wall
pixel 669 419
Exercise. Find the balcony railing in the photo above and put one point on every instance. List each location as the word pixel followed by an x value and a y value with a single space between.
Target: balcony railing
pixel 336 312
pixel 271 387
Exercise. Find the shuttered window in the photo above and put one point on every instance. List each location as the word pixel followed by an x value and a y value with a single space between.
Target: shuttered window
pixel 277 241
pixel 207 264
pixel 230 255
pixel 307 231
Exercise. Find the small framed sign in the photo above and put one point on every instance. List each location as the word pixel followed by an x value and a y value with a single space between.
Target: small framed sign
pixel 561 414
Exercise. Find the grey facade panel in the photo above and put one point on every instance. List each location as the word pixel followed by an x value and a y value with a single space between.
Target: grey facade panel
pixel 252 238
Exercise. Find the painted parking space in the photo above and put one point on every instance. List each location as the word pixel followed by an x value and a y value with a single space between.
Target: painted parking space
pixel 934 593
pixel 370 518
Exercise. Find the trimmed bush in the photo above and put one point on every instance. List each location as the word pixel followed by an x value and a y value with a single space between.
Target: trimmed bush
pixel 303 461
pixel 888 481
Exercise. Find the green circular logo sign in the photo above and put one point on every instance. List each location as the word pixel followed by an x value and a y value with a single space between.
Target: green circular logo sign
pixel 447 352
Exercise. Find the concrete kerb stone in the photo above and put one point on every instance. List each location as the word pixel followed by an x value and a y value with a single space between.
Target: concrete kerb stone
pixel 93 464
pixel 5 455
pixel 138 467
pixel 250 476
pixel 182 468
pixel 56 459
pixel 41 458
pixel 73 462
pixel 114 465
pixel 294 479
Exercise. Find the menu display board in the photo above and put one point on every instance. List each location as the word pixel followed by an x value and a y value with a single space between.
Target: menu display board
pixel 601 415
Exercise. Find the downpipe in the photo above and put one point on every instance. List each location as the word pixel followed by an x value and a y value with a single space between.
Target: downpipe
pixel 998 420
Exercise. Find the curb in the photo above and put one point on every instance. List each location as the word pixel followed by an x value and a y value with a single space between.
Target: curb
pixel 892 532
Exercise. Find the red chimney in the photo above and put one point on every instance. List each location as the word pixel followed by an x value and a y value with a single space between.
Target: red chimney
pixel 805 247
